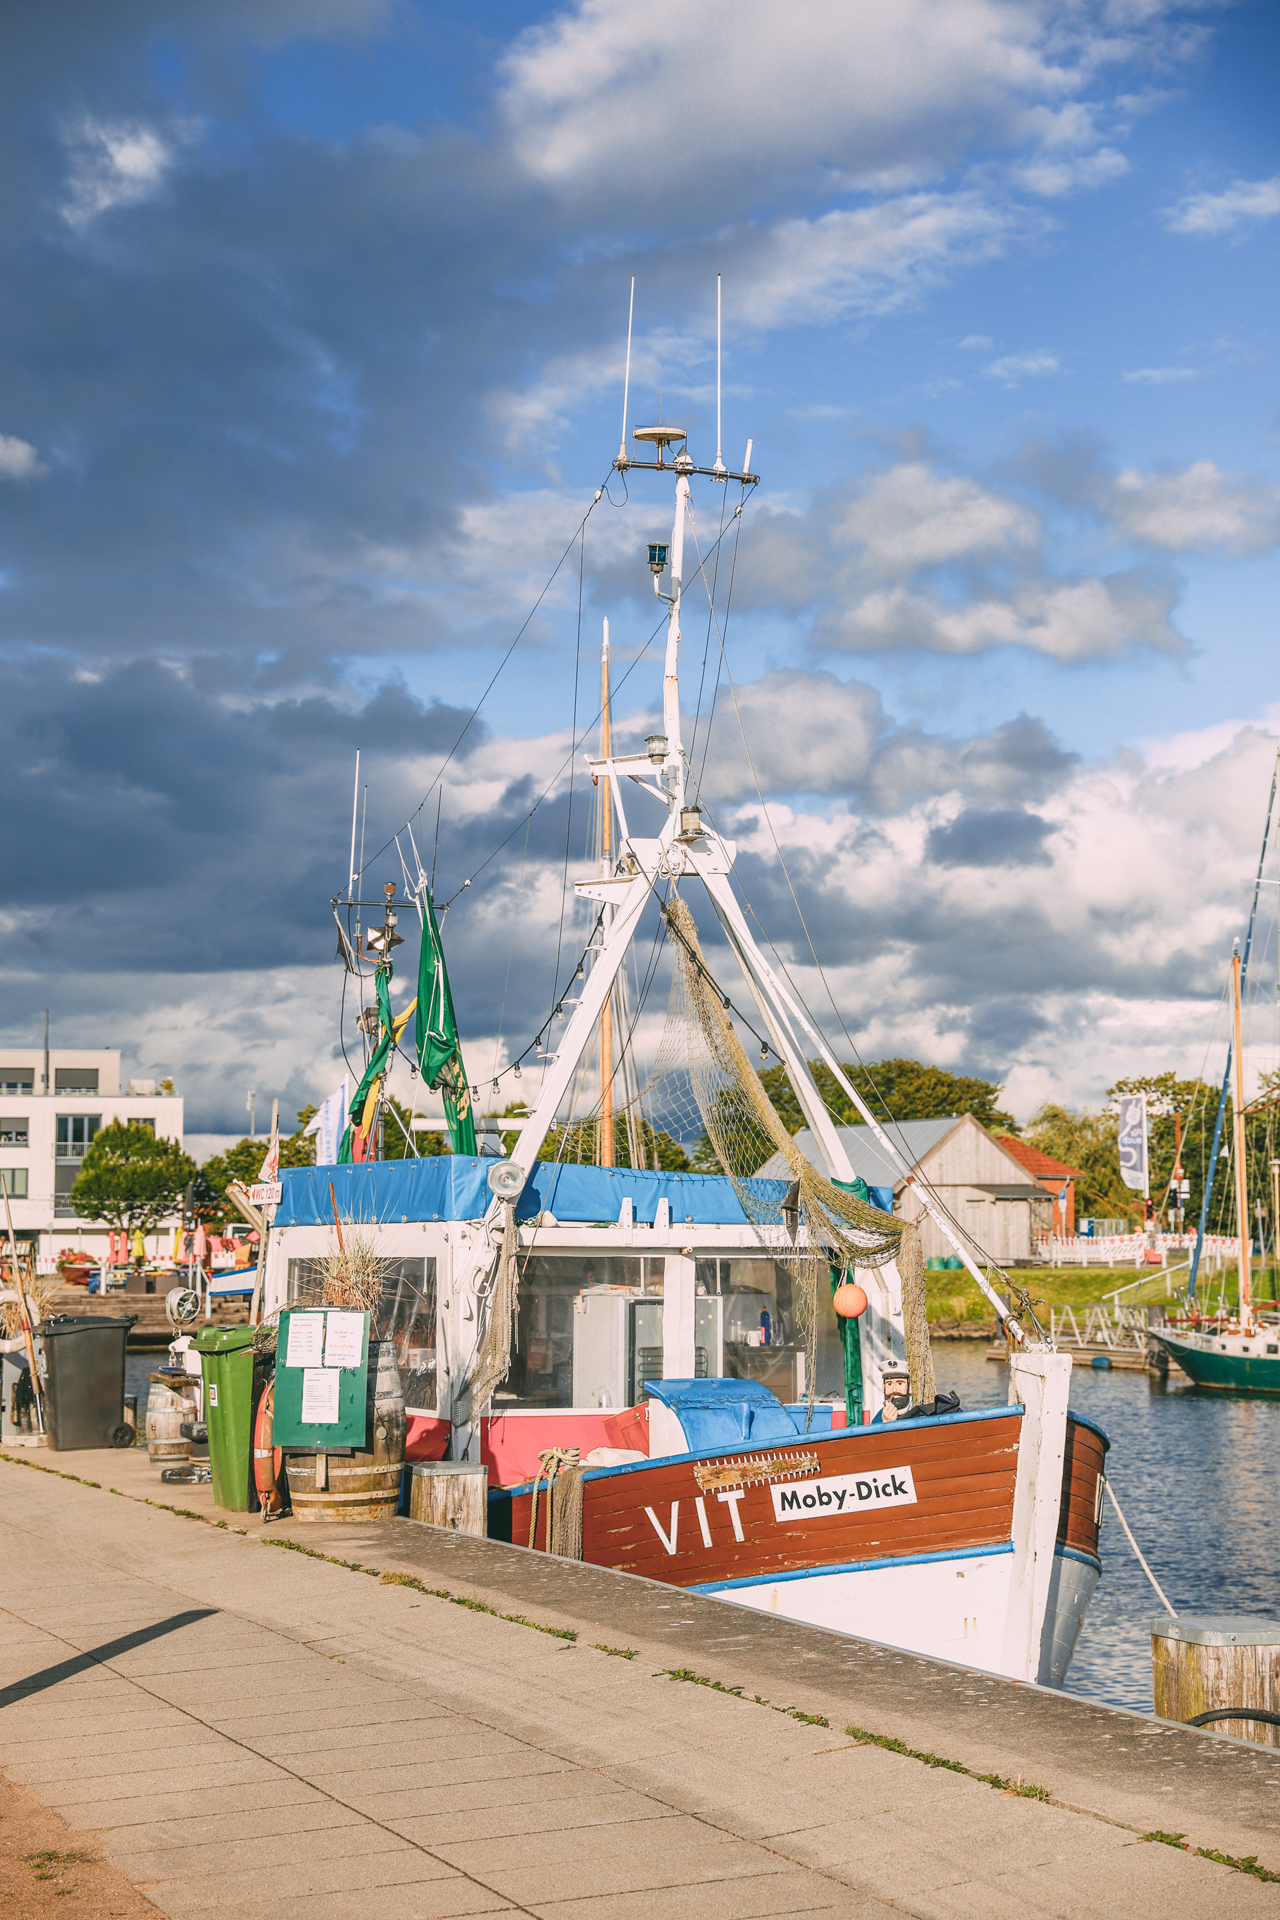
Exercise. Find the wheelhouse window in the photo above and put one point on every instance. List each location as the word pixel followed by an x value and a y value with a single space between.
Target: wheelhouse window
pixel 589 1332
pixel 406 1316
pixel 757 1335
pixel 76 1134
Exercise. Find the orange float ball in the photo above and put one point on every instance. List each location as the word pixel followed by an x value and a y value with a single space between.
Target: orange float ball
pixel 850 1302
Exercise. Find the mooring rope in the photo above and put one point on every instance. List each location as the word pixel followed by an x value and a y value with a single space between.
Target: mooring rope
pixel 1138 1550
pixel 564 1514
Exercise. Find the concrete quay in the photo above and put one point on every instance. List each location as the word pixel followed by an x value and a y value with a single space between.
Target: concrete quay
pixel 252 1731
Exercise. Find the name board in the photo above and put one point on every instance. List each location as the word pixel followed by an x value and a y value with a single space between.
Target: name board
pixel 839 1493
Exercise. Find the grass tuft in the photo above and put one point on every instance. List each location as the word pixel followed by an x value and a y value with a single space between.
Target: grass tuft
pixel 619 1653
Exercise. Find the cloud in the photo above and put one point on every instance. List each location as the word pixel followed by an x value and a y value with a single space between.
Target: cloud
pixel 1066 620
pixel 915 559
pixel 1193 509
pixel 113 165
pixel 912 517
pixel 615 102
pixel 1016 367
pixel 1199 509
pixel 18 459
pixel 990 837
pixel 869 259
pixel 1055 177
pixel 1239 207
pixel 1159 376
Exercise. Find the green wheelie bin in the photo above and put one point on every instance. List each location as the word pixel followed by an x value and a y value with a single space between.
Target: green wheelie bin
pixel 233 1382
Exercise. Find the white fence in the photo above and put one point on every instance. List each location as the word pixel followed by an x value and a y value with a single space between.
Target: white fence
pixel 1131 1250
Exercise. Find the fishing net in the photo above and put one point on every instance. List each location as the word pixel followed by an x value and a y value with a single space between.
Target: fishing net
pixel 701 1052
pixel 703 1082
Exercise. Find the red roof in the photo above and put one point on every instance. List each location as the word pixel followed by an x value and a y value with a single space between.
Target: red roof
pixel 1042 1165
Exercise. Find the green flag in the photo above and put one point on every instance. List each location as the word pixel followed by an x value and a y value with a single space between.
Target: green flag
pixel 439 1050
pixel 355 1141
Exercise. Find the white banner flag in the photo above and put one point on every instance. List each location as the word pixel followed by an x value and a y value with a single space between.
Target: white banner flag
pixel 329 1124
pixel 1133 1140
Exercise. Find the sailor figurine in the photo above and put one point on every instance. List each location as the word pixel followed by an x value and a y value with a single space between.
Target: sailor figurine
pixel 897 1394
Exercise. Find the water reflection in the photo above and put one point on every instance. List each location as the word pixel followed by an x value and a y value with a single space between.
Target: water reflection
pixel 1196 1474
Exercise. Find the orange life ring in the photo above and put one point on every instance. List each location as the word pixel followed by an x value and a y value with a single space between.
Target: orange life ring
pixel 268 1461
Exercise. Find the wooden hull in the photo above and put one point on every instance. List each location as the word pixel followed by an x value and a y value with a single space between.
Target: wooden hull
pixel 903 1533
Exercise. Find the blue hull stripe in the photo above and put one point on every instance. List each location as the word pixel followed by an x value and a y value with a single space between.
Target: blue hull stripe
pixel 855 1566
pixel 1074 1553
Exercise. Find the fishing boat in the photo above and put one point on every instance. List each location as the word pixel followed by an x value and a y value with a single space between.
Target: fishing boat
pixel 718 1380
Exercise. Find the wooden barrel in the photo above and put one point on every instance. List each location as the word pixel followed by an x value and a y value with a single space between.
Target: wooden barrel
pixel 166 1411
pixel 358 1486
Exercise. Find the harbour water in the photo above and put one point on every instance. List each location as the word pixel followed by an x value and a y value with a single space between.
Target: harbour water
pixel 1196 1473
pixel 1198 1476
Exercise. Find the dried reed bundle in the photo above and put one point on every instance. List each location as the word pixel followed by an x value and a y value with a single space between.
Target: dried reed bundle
pixel 38 1287
pixel 352 1273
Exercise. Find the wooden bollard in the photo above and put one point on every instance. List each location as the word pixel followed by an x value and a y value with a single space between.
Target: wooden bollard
pixel 450 1493
pixel 1203 1663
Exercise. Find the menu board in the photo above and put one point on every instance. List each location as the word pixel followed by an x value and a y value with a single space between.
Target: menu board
pixel 322 1371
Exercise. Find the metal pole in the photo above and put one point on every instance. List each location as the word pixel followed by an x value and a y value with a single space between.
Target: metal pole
pixel 606 867
pixel 1242 1172
pixel 1226 1076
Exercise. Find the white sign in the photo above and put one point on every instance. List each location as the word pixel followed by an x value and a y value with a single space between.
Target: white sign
pixel 266 1193
pixel 306 1331
pixel 838 1493
pixel 344 1339
pixel 320 1397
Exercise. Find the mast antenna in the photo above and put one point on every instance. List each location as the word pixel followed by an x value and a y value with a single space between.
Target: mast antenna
pixel 720 466
pixel 355 800
pixel 621 460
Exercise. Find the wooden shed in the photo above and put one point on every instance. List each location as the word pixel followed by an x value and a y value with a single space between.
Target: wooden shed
pixel 986 1188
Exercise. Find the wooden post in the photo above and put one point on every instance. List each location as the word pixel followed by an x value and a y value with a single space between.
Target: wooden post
pixel 1200 1663
pixel 450 1493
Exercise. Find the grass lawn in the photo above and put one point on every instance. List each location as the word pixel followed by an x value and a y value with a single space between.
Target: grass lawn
pixel 954 1297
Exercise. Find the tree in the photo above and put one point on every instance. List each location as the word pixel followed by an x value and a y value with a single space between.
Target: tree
pixel 1090 1142
pixel 908 1089
pixel 243 1162
pixel 131 1179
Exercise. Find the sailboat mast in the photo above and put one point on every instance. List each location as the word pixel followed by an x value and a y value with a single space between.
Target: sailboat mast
pixel 606 867
pixel 1242 1172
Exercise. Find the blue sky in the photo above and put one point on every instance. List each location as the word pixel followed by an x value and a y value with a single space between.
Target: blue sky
pixel 313 321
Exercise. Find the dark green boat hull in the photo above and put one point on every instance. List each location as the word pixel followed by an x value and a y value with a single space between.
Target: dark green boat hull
pixel 1232 1372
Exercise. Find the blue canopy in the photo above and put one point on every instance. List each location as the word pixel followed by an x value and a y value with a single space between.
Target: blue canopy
pixel 452 1186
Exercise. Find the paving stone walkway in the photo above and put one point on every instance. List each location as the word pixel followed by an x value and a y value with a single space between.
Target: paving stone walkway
pixel 258 1732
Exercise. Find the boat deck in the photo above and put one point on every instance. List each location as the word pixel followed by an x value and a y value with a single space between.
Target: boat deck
pixel 255 1732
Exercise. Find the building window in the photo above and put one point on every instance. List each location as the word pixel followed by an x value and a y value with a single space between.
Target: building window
pixel 13 1131
pixel 76 1133
pixel 17 1080
pixel 75 1079
pixel 14 1182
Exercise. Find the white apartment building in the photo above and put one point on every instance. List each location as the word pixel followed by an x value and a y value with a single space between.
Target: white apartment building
pixel 52 1106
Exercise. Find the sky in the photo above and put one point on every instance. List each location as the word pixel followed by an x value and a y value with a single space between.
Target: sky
pixel 313 324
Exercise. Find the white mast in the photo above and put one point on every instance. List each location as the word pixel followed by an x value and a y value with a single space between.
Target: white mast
pixel 685 847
